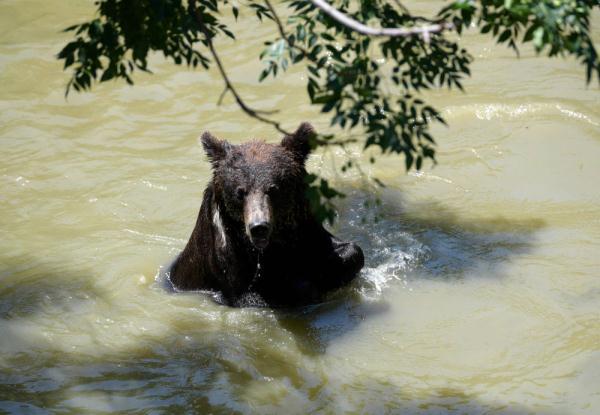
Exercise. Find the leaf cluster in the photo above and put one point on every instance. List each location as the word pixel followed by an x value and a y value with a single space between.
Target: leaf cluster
pixel 320 196
pixel 118 40
pixel 369 84
pixel 556 27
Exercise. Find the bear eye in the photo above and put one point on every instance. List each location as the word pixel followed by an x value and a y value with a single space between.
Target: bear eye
pixel 272 189
pixel 240 193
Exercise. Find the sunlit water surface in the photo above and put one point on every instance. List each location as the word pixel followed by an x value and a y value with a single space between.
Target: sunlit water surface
pixel 481 292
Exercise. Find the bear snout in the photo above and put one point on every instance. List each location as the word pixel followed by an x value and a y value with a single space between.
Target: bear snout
pixel 257 215
pixel 259 234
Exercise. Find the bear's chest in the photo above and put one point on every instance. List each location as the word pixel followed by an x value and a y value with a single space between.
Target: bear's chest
pixel 286 279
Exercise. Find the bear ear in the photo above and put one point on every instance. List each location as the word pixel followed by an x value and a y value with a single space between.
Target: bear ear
pixel 215 149
pixel 299 143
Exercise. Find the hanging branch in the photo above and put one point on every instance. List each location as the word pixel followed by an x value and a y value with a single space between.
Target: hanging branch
pixel 228 84
pixel 357 26
pixel 276 19
pixel 284 36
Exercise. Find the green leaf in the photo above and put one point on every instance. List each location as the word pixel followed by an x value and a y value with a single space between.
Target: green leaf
pixel 538 38
pixel 505 35
pixel 330 103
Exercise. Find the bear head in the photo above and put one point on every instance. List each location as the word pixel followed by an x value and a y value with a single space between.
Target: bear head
pixel 260 188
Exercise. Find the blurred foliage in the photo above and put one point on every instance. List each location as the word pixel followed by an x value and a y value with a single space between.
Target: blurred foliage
pixel 369 83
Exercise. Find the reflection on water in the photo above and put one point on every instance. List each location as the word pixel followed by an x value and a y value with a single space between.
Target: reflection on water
pixel 480 292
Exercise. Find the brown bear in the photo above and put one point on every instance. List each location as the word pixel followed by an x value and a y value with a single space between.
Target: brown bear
pixel 255 237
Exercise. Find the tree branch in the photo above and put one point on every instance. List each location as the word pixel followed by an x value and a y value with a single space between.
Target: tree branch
pixel 228 85
pixel 319 141
pixel 402 7
pixel 282 31
pixel 347 21
pixel 276 19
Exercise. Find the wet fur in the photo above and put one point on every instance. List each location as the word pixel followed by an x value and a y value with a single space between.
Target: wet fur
pixel 302 262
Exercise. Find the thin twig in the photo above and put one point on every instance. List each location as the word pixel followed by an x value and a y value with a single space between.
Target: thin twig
pixel 284 35
pixel 402 7
pixel 220 101
pixel 228 85
pixel 357 26
pixel 319 141
pixel 340 143
pixel 277 19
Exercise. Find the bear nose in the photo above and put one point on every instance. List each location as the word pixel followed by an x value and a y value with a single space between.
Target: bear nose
pixel 260 230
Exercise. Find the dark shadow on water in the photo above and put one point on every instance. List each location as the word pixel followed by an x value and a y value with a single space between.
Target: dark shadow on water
pixel 383 397
pixel 375 396
pixel 227 370
pixel 435 241
pixel 415 242
pixel 34 290
pixel 29 286
pixel 315 327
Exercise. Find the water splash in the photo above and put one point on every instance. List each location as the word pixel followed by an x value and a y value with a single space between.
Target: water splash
pixel 391 255
pixel 257 272
pixel 251 298
pixel 391 250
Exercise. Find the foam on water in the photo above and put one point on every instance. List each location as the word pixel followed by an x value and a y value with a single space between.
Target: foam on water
pixel 500 111
pixel 397 261
pixel 390 249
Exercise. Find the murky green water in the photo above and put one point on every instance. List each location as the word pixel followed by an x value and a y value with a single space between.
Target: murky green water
pixel 481 292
